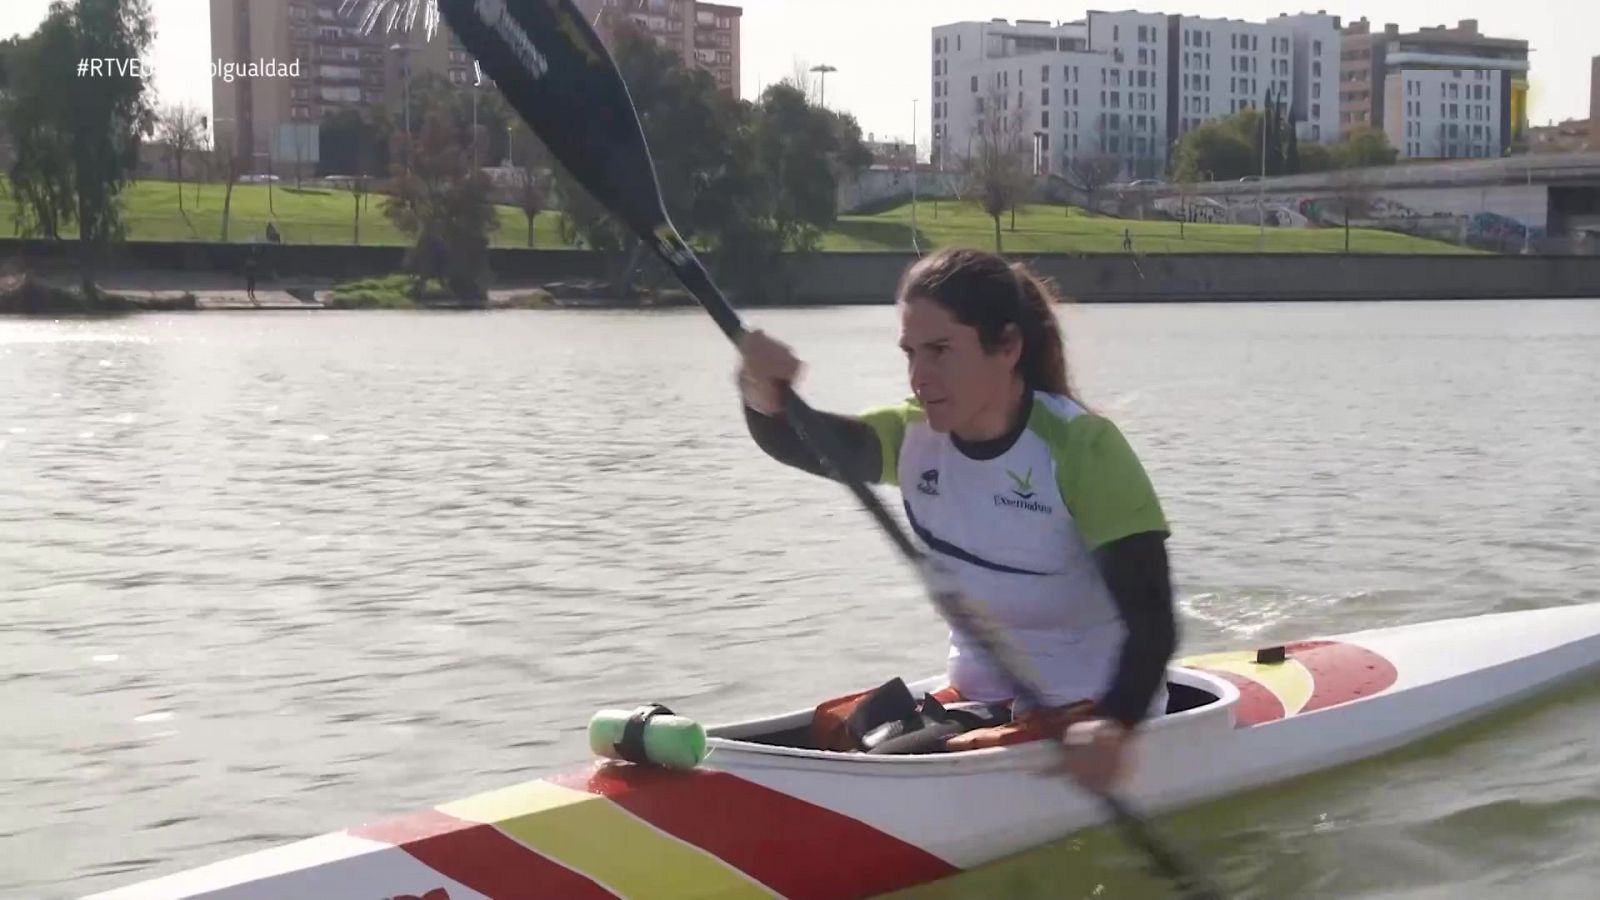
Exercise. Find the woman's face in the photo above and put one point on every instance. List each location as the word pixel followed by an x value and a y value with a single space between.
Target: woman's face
pixel 962 388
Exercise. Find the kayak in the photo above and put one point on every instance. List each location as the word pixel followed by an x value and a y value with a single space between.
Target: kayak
pixel 761 817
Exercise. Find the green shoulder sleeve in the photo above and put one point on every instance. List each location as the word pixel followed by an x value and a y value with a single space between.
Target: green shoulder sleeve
pixel 890 423
pixel 1102 481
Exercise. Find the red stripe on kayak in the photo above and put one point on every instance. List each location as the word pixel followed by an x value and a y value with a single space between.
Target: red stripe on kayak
pixel 1257 704
pixel 481 858
pixel 1342 672
pixel 798 849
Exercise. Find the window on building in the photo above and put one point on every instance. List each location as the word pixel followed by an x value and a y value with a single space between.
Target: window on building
pixel 1044 73
pixel 1044 96
pixel 974 84
pixel 1116 32
pixel 1044 119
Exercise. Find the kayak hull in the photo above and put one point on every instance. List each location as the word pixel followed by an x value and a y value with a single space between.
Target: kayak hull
pixel 763 820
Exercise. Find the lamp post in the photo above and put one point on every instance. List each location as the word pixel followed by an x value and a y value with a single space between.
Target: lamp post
pixel 824 69
pixel 913 169
pixel 405 60
pixel 1261 189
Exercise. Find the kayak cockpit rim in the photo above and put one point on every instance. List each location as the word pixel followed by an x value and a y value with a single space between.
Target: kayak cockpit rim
pixel 741 740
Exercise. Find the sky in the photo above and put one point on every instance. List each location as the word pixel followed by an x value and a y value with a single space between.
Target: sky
pixel 882 48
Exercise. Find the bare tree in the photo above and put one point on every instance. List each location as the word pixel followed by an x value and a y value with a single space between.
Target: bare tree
pixel 532 196
pixel 802 79
pixel 997 169
pixel 1091 172
pixel 357 186
pixel 179 127
pixel 1354 191
pixel 227 162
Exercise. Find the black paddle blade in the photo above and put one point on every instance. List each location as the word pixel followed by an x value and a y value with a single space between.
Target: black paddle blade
pixel 553 70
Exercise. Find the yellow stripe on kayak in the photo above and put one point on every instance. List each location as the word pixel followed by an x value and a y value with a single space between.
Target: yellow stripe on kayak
pixel 592 835
pixel 1289 681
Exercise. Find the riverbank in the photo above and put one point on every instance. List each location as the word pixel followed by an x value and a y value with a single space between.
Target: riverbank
pixel 567 278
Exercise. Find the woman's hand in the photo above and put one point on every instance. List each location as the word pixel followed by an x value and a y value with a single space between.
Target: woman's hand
pixel 767 366
pixel 1098 754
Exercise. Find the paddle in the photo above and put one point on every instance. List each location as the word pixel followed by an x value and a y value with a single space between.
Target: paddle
pixel 553 70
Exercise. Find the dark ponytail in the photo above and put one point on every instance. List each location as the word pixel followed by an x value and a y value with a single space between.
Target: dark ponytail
pixel 982 291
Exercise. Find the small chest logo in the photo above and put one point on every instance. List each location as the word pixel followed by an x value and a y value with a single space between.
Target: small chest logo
pixel 930 483
pixel 1022 493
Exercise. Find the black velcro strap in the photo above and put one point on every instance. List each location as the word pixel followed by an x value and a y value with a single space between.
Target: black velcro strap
pixel 631 747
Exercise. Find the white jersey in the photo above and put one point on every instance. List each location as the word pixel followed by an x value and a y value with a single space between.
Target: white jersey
pixel 1018 530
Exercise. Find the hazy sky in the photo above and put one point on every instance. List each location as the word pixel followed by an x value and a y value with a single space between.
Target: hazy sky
pixel 882 47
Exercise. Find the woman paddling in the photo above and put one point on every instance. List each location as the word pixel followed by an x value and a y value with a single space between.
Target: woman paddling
pixel 1037 506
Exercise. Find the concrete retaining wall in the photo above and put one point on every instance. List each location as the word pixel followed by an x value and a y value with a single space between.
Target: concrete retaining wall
pixel 871 277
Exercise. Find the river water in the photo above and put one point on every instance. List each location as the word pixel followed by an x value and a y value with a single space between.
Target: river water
pixel 268 575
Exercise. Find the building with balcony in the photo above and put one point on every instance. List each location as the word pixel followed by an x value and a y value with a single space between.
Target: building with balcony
pixel 702 34
pixel 1437 92
pixel 275 121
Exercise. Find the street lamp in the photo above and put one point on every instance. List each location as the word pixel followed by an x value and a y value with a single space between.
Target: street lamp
pixel 824 69
pixel 913 171
pixel 405 59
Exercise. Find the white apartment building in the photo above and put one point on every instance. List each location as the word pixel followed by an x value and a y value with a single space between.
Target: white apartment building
pixel 1444 113
pixel 1127 84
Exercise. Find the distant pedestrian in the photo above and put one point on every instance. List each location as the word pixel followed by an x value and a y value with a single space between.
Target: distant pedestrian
pixel 273 237
pixel 1127 240
pixel 251 263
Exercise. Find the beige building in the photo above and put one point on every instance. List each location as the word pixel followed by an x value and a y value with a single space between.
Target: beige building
pixel 702 34
pixel 274 120
pixel 1389 81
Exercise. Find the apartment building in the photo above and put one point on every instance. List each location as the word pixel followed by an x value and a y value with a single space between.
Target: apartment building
pixel 1126 84
pixel 275 120
pixel 702 34
pixel 1437 92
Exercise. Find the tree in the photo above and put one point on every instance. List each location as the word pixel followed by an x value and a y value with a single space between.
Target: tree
pixel 1228 149
pixel 351 142
pixel 1273 153
pixel 432 91
pixel 1365 148
pixel 1316 157
pixel 179 127
pixel 1292 152
pixel 228 161
pixel 1353 191
pixel 441 201
pixel 997 169
pixel 358 189
pixel 1091 172
pixel 78 137
pixel 804 151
